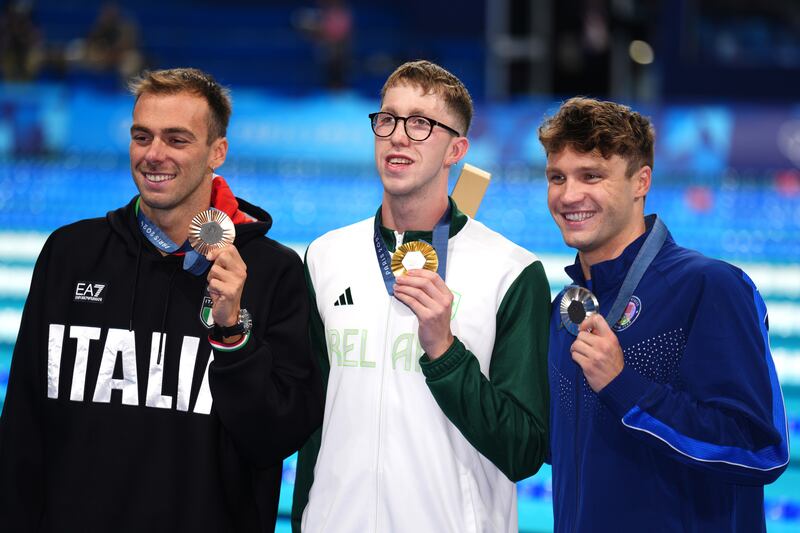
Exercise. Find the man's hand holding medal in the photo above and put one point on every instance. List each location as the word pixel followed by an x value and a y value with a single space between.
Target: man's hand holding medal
pixel 210 233
pixel 414 265
pixel 597 351
pixel 225 284
pixel 426 294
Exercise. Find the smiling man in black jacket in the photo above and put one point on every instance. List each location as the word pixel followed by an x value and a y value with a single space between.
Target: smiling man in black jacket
pixel 153 388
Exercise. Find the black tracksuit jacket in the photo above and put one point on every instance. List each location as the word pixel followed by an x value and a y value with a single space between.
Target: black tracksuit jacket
pixel 98 434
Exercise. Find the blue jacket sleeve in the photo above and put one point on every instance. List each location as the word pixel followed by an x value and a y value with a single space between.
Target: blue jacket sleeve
pixel 727 416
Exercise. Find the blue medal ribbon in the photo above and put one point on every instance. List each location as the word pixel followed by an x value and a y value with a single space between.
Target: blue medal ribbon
pixel 441 234
pixel 648 251
pixel 193 262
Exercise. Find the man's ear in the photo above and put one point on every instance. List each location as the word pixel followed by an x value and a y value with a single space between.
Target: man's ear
pixel 643 177
pixel 219 151
pixel 456 152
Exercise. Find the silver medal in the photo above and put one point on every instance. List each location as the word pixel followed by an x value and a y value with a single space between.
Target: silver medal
pixel 576 305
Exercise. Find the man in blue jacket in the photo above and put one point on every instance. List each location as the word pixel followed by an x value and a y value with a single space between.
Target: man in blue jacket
pixel 666 411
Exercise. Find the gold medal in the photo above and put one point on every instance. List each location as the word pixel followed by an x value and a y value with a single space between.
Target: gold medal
pixel 414 255
pixel 211 229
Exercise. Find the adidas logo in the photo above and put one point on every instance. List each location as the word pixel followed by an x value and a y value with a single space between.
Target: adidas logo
pixel 346 298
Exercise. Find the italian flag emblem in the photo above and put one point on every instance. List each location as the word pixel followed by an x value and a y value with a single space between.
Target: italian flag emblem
pixel 205 312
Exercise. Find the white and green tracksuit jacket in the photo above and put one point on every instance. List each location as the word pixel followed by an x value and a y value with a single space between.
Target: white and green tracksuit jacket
pixel 410 445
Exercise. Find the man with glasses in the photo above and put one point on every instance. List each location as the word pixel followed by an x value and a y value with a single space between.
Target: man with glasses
pixel 436 376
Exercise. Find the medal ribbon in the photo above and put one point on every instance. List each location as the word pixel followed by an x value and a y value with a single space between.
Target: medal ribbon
pixel 652 245
pixel 441 233
pixel 193 262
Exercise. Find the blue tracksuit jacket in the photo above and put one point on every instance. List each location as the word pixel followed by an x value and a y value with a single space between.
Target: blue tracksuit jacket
pixel 687 435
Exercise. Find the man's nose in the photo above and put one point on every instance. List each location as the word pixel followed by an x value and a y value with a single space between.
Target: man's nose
pixel 572 191
pixel 399 135
pixel 155 151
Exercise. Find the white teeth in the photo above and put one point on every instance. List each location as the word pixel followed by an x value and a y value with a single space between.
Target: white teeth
pixel 578 217
pixel 159 177
pixel 399 160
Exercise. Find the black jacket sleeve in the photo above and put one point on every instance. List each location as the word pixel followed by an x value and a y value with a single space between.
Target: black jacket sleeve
pixel 21 424
pixel 268 394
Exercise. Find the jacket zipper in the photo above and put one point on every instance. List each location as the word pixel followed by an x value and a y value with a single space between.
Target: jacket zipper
pixel 576 446
pixel 384 369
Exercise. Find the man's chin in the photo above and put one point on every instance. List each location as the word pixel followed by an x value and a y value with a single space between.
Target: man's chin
pixel 574 241
pixel 399 190
pixel 161 204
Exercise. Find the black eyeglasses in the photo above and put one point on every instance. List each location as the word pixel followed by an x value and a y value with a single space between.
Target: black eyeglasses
pixel 418 128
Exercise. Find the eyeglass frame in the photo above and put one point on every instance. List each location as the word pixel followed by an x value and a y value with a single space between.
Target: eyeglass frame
pixel 405 125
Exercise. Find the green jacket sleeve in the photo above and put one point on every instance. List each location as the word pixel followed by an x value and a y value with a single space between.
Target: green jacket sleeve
pixel 307 458
pixel 506 416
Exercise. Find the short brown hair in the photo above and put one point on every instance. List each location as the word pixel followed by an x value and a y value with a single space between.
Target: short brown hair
pixel 194 81
pixel 586 125
pixel 433 79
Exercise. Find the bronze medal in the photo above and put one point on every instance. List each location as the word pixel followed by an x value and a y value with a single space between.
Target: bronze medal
pixel 211 229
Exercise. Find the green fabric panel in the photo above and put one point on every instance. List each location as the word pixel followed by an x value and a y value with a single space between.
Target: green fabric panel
pixel 307 458
pixel 506 416
pixel 304 477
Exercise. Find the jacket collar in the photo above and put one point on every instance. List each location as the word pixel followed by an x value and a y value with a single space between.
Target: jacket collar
pixel 457 221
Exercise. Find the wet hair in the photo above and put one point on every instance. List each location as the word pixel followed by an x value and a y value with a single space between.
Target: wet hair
pixel 193 81
pixel 433 79
pixel 587 125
